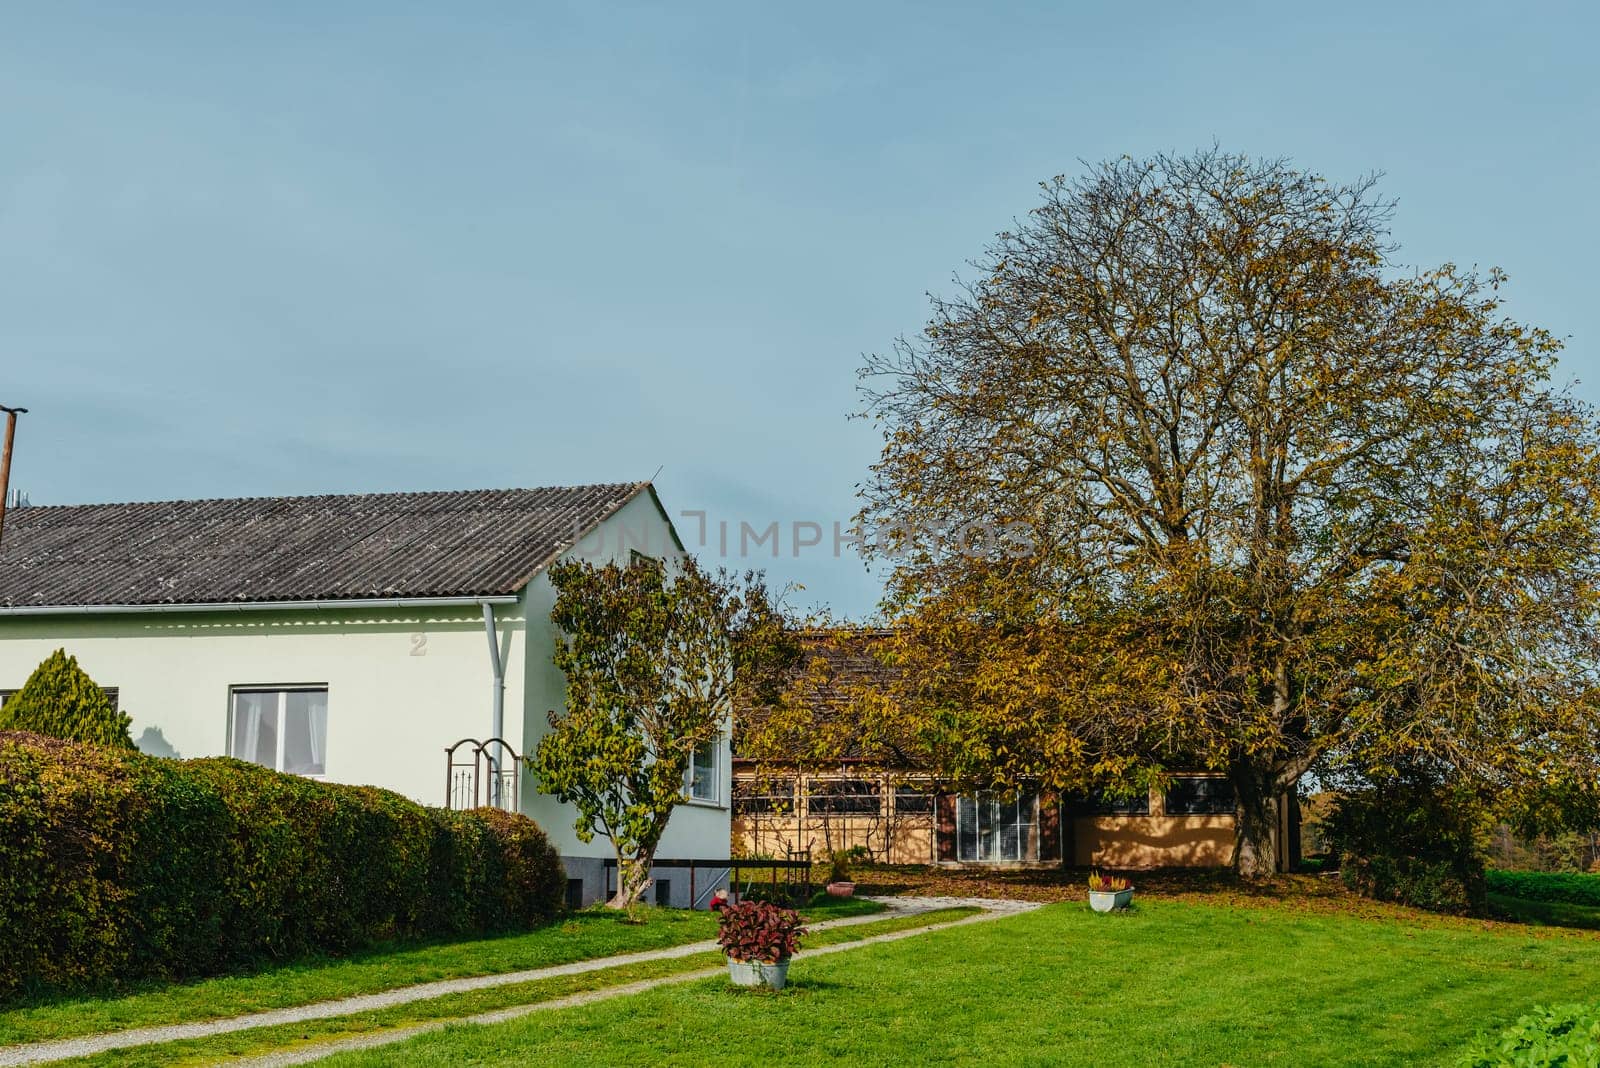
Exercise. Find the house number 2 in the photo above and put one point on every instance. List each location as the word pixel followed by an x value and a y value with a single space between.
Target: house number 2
pixel 419 645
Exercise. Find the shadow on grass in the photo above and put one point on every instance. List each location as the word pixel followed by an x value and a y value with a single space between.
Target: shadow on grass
pixel 1544 913
pixel 798 988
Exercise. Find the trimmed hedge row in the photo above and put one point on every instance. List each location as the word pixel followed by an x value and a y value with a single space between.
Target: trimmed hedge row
pixel 116 866
pixel 1574 888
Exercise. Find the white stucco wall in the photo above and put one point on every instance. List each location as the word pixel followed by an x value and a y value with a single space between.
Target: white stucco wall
pixel 402 684
pixel 698 830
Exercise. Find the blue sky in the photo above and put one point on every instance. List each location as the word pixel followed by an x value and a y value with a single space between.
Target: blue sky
pixel 337 247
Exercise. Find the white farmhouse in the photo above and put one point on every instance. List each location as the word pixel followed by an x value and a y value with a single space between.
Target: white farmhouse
pixel 353 638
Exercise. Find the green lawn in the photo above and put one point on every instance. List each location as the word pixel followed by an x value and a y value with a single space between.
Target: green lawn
pixel 583 936
pixel 1169 983
pixel 823 908
pixel 258 1041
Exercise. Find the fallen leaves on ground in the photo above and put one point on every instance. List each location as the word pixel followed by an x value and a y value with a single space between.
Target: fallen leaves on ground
pixel 1320 894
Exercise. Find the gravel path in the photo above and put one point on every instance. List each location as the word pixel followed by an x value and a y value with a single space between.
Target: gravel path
pixel 86 1045
pixel 327 1049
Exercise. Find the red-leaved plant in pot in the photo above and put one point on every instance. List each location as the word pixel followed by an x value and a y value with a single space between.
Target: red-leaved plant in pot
pixel 759 938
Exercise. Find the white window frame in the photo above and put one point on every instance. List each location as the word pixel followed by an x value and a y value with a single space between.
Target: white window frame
pixel 1028 802
pixel 716 775
pixel 283 692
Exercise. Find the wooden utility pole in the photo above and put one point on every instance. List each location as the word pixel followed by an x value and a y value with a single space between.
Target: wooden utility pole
pixel 5 462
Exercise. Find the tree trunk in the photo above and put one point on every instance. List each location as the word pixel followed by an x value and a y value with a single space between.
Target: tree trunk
pixel 633 878
pixel 1255 844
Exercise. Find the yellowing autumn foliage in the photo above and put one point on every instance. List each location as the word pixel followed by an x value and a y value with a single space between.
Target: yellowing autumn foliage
pixel 1294 504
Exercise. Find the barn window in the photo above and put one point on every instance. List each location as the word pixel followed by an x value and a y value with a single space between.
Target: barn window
pixel 1200 796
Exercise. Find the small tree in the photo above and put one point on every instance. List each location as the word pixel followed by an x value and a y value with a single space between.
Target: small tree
pixel 654 661
pixel 61 700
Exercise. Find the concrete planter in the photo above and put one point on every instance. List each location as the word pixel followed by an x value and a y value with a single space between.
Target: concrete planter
pixel 842 889
pixel 1110 901
pixel 758 973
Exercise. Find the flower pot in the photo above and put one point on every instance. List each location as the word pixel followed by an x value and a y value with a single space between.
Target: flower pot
pixel 842 889
pixel 1110 900
pixel 758 973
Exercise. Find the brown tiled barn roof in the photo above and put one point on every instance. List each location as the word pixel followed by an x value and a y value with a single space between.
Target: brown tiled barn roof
pixel 370 545
pixel 835 667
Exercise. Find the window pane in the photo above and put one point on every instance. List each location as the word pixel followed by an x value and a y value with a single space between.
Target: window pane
pixel 305 731
pixel 703 772
pixel 848 797
pixel 1200 797
pixel 1010 847
pixel 1008 812
pixel 966 828
pixel 1027 843
pixel 255 727
pixel 912 800
pixel 1104 804
pixel 293 724
pixel 755 798
pixel 988 828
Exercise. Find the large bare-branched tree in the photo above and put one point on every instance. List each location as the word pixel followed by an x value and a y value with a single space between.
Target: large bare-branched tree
pixel 1289 503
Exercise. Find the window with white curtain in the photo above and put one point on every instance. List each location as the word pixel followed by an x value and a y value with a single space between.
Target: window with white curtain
pixel 285 729
pixel 701 776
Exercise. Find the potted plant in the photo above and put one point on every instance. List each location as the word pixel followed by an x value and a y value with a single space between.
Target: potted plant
pixel 1109 892
pixel 839 884
pixel 759 938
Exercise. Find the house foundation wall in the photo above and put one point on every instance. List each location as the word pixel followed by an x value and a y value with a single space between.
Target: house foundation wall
pixel 671 886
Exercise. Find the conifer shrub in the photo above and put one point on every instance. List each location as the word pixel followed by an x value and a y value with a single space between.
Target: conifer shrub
pixel 61 700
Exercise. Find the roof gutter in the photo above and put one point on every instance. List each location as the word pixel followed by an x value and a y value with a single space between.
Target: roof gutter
pixel 254 606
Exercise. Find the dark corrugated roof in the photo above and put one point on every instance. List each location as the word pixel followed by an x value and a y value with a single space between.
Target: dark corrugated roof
pixel 369 545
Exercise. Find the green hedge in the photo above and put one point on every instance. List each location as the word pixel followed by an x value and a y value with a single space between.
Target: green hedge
pixel 1566 1035
pixel 1570 887
pixel 117 866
